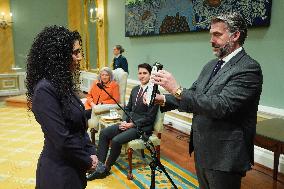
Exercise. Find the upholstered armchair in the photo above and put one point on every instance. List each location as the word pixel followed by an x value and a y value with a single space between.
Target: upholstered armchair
pixel 120 76
pixel 138 144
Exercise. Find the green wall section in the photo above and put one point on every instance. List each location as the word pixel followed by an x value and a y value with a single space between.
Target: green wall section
pixel 185 54
pixel 182 54
pixel 30 17
pixel 93 46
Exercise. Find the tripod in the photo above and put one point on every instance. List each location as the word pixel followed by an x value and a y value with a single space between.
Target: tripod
pixel 155 163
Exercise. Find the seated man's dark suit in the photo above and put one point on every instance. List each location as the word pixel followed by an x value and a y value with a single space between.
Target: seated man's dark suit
pixel 142 115
pixel 224 115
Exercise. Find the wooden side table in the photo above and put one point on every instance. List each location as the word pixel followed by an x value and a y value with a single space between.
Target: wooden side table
pixel 270 135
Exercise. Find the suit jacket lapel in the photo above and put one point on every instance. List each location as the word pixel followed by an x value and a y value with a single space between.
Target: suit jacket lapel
pixel 223 70
pixel 139 100
pixel 77 102
pixel 207 76
pixel 135 92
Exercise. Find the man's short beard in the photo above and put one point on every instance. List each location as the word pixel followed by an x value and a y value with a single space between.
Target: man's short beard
pixel 223 51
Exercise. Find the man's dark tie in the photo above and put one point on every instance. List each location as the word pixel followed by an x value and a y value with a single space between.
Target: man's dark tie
pixel 140 92
pixel 217 68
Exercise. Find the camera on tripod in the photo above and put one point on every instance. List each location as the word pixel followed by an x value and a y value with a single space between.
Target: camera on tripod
pixel 153 88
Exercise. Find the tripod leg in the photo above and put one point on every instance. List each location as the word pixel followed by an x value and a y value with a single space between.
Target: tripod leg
pixel 142 154
pixel 130 175
pixel 156 162
pixel 166 173
pixel 153 167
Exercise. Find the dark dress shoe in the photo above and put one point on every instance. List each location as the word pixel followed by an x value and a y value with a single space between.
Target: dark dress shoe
pixel 97 175
pixel 100 172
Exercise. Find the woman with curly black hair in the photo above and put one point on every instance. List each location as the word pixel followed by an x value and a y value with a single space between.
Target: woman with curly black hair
pixel 52 75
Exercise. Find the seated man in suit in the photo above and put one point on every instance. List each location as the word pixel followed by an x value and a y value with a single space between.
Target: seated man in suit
pixel 119 134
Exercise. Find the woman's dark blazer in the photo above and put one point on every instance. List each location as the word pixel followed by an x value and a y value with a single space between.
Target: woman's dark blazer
pixel 120 62
pixel 65 157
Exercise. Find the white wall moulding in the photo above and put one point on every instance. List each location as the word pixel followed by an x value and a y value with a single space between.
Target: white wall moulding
pixel 86 79
pixel 270 112
pixel 12 83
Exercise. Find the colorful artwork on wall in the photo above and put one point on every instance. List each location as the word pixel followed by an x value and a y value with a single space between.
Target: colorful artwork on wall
pixel 155 17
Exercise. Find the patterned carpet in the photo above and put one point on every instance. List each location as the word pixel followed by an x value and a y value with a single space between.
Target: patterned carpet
pixel 21 141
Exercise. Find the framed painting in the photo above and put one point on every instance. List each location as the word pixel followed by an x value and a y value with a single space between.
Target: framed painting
pixel 156 17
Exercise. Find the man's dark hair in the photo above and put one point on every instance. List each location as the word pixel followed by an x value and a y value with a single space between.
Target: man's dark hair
pixel 235 22
pixel 146 66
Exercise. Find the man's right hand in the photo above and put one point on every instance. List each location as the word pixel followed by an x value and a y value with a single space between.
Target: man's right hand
pixel 94 161
pixel 160 99
pixel 145 98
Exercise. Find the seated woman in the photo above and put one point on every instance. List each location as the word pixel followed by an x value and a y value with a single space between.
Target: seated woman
pixel 98 96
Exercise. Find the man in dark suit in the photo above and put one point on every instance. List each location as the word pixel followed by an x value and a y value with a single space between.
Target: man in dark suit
pixel 119 134
pixel 224 102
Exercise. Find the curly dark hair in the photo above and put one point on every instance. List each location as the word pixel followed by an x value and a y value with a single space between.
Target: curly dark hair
pixel 50 58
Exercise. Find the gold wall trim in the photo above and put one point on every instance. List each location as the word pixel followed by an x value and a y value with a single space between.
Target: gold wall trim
pixel 7 59
pixel 78 20
pixel 86 36
pixel 102 35
pixel 75 17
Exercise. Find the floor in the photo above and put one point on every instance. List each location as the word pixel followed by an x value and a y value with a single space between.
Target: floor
pixel 21 140
pixel 175 146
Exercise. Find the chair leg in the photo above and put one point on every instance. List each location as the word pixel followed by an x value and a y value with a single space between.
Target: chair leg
pixel 142 153
pixel 130 175
pixel 276 164
pixel 158 151
pixel 158 147
pixel 93 135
